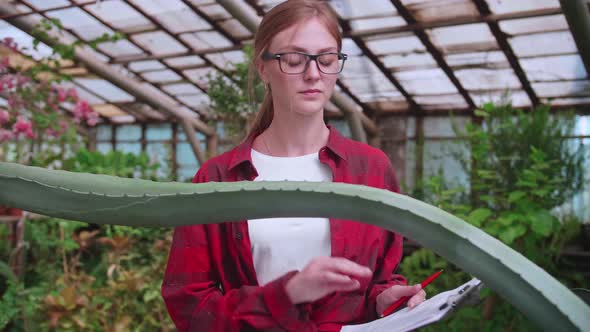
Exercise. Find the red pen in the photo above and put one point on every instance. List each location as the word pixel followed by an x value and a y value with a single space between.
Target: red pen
pixel 403 299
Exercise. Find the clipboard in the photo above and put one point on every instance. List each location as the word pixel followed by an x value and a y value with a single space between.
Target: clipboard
pixel 432 310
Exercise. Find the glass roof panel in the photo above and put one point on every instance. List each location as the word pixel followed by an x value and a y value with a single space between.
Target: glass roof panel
pixel 83 93
pixel 378 85
pixel 476 59
pixel 120 119
pixel 120 48
pixel 450 101
pixel 161 76
pixel 173 15
pixel 385 96
pixel 463 38
pixel 236 29
pixel 567 101
pixel 157 92
pixel 440 10
pixel 504 7
pixel 47 4
pixel 543 44
pixel 562 89
pixel 197 101
pixel 404 44
pixel 120 16
pixel 139 66
pixel 356 67
pixel 184 61
pixel 411 61
pixel 488 79
pixel 518 98
pixel 226 60
pixel 159 43
pixel 181 88
pixel 80 22
pixel 426 82
pixel 555 68
pixel 99 55
pixel 205 40
pixel 349 9
pixel 376 23
pixel 200 75
pixel 350 47
pixel 105 89
pixel 215 12
pixel 534 24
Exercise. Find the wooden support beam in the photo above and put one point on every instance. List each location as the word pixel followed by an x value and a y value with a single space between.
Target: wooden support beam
pixel 502 40
pixel 434 51
pixel 578 18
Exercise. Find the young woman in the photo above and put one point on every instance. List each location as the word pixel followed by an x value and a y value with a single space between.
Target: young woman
pixel 294 274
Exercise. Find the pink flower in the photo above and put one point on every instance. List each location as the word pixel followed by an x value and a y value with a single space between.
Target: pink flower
pixel 52 132
pixel 92 120
pixel 21 80
pixel 13 101
pixel 63 125
pixel 82 111
pixel 62 94
pixel 72 93
pixel 4 63
pixel 23 126
pixel 5 135
pixel 6 80
pixel 4 116
pixel 9 42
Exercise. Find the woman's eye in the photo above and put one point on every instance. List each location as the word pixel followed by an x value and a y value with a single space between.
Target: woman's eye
pixel 294 61
pixel 327 62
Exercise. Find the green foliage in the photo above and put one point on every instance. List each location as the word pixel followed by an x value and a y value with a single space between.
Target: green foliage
pixel 232 103
pixel 112 163
pixel 521 169
pixel 87 277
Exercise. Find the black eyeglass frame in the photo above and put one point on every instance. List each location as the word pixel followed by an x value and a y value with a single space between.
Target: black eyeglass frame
pixel 277 56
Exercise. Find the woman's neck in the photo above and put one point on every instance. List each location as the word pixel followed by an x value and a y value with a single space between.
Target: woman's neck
pixel 292 135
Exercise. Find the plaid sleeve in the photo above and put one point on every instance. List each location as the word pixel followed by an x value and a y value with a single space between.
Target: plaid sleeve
pixel 195 301
pixel 385 277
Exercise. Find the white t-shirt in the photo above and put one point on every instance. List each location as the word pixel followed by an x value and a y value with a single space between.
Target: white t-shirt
pixel 280 245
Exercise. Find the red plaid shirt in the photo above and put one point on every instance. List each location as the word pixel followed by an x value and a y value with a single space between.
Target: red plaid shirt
pixel 210 283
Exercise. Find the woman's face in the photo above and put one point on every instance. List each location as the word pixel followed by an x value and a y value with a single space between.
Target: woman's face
pixel 308 92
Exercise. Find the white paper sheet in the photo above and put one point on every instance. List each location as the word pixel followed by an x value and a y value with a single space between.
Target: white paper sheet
pixel 427 312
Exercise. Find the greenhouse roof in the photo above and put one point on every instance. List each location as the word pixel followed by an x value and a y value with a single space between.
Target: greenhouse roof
pixel 405 56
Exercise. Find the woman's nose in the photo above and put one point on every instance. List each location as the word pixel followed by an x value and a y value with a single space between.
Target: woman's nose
pixel 312 71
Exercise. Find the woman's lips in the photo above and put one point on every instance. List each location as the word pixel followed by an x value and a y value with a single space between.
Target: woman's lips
pixel 311 92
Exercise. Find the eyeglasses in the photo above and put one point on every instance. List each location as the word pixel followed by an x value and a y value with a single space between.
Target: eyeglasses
pixel 298 62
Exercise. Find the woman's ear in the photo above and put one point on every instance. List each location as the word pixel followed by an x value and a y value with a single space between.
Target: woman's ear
pixel 261 69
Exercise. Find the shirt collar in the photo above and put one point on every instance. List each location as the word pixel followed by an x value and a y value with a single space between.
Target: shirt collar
pixel 243 152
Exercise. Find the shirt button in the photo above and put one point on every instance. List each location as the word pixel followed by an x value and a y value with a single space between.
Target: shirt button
pixel 238 236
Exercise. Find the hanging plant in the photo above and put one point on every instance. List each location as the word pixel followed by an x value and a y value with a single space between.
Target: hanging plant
pixel 38 106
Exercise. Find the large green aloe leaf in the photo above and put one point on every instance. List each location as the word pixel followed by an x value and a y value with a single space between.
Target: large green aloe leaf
pixel 139 203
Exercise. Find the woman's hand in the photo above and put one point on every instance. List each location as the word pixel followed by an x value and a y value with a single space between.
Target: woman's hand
pixel 325 275
pixel 393 293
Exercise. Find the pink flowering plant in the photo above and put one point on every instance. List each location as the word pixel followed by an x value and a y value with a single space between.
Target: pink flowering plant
pixel 38 107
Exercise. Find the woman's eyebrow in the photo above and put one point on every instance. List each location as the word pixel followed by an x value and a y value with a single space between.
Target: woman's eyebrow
pixel 303 50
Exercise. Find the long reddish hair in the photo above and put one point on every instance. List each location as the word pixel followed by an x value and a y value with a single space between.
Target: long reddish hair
pixel 280 18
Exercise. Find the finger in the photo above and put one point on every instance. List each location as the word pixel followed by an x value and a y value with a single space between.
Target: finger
pixel 395 292
pixel 332 279
pixel 417 299
pixel 344 266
